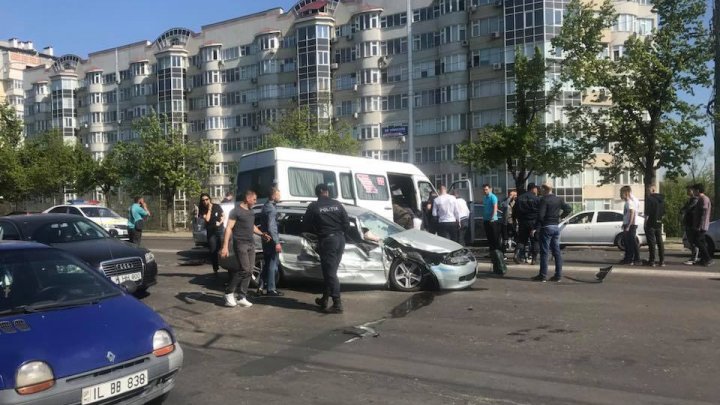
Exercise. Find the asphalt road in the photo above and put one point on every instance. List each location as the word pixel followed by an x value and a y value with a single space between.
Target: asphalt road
pixel 643 336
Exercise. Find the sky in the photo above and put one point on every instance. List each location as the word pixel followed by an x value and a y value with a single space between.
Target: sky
pixel 83 26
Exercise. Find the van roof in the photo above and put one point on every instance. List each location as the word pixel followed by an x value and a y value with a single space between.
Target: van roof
pixel 332 159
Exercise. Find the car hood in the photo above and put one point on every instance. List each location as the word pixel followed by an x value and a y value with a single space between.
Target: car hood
pixel 422 240
pixel 98 250
pixel 79 339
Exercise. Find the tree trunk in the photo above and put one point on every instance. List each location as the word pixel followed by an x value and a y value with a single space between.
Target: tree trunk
pixel 520 180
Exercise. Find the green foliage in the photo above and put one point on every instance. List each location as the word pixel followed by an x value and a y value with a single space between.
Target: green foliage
pixel 528 146
pixel 104 174
pixel 298 129
pixel 163 162
pixel 649 125
pixel 50 163
pixel 11 173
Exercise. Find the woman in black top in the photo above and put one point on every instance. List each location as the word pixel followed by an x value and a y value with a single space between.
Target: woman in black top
pixel 212 215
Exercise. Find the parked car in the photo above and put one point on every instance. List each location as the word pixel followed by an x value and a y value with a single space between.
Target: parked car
pixel 601 227
pixel 712 238
pixel 406 260
pixel 69 336
pixel 111 221
pixel 122 262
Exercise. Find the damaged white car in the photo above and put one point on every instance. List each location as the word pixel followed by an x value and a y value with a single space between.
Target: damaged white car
pixel 377 252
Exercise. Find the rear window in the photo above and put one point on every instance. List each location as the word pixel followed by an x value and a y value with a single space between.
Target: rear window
pixel 371 187
pixel 99 212
pixel 303 182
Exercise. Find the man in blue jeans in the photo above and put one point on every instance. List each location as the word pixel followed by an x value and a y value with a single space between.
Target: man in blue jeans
pixel 271 247
pixel 550 211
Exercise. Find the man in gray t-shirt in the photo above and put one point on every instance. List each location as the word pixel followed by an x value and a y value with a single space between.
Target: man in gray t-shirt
pixel 241 225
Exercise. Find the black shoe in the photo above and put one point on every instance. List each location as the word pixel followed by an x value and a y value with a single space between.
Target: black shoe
pixel 626 262
pixel 648 263
pixel 336 307
pixel 274 293
pixel 321 302
pixel 555 279
pixel 539 278
pixel 707 263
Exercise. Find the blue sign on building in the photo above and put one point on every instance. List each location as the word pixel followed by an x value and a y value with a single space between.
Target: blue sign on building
pixel 394 131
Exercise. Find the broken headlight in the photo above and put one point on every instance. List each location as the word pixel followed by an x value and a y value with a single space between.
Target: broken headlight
pixel 459 257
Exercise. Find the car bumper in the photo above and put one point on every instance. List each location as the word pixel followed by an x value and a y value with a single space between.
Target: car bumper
pixel 68 390
pixel 455 277
pixel 150 276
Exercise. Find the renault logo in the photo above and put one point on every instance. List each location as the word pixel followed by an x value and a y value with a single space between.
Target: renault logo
pixel 110 356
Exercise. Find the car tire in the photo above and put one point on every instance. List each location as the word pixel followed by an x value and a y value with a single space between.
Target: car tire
pixel 406 276
pixel 257 269
pixel 620 241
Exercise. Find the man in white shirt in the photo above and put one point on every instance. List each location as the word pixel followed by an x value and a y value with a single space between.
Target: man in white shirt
pixel 464 216
pixel 629 226
pixel 445 208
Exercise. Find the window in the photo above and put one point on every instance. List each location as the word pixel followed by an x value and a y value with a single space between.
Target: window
pixel 303 182
pixel 425 189
pixel 625 23
pixel 346 186
pixel 393 20
pixel 258 180
pixel 584 218
pixel 609 216
pixel 371 187
pixel 8 231
pixel 487 26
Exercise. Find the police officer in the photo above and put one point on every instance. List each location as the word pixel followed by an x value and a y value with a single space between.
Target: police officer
pixel 328 219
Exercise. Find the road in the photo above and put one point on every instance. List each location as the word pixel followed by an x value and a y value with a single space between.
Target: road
pixel 639 337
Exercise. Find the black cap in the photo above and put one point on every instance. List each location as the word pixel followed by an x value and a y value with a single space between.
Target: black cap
pixel 531 186
pixel 321 188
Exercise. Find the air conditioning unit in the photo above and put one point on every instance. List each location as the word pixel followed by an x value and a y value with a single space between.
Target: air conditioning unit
pixel 236 129
pixel 255 128
pixel 334 66
pixel 603 95
pixel 355 87
pixel 356 115
pixel 495 35
pixel 254 103
pixel 465 43
pixel 253 80
pixel 473 8
pixel 335 119
pixel 497 66
pixel 349 37
pixel 334 40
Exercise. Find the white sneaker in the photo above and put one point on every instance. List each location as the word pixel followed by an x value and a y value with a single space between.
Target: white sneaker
pixel 689 262
pixel 230 300
pixel 244 303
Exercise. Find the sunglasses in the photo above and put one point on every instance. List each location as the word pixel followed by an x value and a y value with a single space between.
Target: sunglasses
pixel 206 199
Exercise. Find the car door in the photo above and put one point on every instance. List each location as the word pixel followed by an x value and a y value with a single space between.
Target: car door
pixel 606 227
pixel 299 256
pixel 577 230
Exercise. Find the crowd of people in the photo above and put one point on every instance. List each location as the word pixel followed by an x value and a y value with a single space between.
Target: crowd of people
pixel 531 219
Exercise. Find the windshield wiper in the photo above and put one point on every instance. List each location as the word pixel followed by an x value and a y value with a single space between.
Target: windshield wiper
pixel 22 309
pixel 63 305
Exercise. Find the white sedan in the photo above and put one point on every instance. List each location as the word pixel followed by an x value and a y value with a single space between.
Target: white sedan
pixel 602 227
pixel 110 220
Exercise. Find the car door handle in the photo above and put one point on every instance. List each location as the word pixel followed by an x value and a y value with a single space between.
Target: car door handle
pixel 388 208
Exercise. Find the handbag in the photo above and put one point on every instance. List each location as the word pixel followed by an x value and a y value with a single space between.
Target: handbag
pixel 139 225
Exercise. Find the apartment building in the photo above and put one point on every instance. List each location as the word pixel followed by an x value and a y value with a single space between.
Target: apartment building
pixel 15 57
pixel 346 60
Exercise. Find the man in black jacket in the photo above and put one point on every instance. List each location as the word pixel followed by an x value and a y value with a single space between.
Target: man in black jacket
pixel 328 219
pixel 654 212
pixel 550 211
pixel 525 213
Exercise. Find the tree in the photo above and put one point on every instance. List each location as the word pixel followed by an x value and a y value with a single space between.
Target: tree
pixel 11 173
pixel 49 164
pixel 529 145
pixel 163 162
pixel 647 124
pixel 104 174
pixel 298 129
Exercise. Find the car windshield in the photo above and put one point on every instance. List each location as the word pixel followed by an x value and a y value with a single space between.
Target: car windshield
pixel 34 280
pixel 99 212
pixel 377 225
pixel 70 230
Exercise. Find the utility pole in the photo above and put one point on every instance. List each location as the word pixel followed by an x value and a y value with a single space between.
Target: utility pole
pixel 716 106
pixel 411 91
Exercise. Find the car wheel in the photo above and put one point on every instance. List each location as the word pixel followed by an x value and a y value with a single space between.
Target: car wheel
pixel 620 241
pixel 406 275
pixel 257 269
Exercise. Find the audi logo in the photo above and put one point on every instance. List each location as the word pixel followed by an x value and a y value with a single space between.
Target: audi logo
pixel 123 266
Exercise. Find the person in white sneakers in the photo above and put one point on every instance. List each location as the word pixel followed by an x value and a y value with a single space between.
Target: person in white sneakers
pixel 241 225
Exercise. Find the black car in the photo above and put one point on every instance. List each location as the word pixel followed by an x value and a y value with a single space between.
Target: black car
pixel 122 262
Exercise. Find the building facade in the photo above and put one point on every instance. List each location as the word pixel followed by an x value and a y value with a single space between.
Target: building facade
pixel 15 57
pixel 345 60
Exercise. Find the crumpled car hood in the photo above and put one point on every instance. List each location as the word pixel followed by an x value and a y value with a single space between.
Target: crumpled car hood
pixel 425 241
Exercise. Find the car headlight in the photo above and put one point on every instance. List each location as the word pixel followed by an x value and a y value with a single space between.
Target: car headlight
pixel 149 257
pixel 162 343
pixel 32 377
pixel 459 257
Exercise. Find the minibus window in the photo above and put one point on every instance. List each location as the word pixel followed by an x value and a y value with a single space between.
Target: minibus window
pixel 303 182
pixel 258 180
pixel 346 186
pixel 371 187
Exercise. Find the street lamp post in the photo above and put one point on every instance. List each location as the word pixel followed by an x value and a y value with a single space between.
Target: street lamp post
pixel 411 94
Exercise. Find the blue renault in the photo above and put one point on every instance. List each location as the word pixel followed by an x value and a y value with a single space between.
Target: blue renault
pixel 68 335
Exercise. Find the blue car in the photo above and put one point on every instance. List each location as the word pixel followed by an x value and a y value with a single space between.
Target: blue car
pixel 68 335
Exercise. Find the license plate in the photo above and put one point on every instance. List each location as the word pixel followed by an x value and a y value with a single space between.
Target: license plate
pixel 120 278
pixel 114 388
